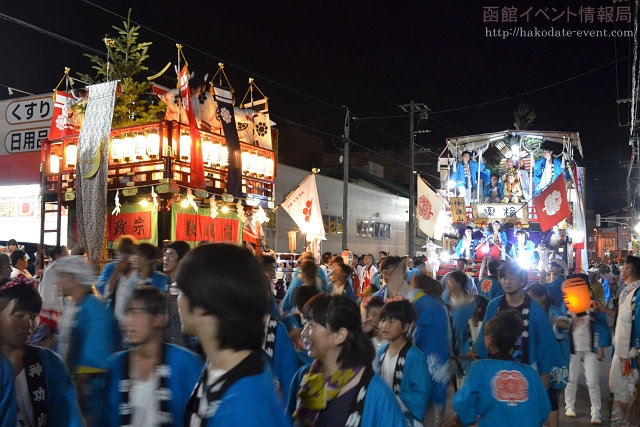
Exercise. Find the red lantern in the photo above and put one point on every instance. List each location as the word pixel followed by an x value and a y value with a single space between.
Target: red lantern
pixel 576 295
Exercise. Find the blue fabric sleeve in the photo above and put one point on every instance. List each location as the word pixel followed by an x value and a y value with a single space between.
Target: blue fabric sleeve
pixel 8 409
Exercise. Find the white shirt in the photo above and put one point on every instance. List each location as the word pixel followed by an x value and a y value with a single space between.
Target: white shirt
pixel 25 407
pixel 622 337
pixel 145 406
pixel 388 368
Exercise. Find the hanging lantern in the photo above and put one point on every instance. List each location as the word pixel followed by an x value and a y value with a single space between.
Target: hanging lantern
pixel 116 150
pixel 54 164
pixel 71 155
pixel 214 155
pixel 153 145
pixel 576 295
pixel 268 168
pixel 246 162
pixel 141 146
pixel 185 147
pixel 207 146
pixel 254 164
pixel 128 148
pixel 223 154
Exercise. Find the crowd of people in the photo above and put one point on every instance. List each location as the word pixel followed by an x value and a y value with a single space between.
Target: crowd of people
pixel 195 337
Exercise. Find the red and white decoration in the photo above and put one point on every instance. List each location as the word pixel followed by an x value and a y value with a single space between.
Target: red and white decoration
pixel 429 204
pixel 303 206
pixel 552 205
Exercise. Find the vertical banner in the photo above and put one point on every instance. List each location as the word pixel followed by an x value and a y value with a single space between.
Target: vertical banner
pixel 227 116
pixel 194 227
pixel 92 165
pixel 134 220
pixel 196 175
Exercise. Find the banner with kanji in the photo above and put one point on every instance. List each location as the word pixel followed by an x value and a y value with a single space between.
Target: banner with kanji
pixel 428 211
pixel 194 227
pixel 135 220
pixel 303 205
pixel 551 204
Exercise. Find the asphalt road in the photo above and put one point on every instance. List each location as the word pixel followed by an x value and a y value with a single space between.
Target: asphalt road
pixel 583 406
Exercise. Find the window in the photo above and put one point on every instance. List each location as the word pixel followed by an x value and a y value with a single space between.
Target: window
pixel 373 229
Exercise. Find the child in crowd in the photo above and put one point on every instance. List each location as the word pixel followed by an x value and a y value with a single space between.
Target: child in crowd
pixel 500 391
pixel 402 365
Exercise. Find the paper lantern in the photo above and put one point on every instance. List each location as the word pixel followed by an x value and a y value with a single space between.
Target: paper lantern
pixel 576 295
pixel 71 155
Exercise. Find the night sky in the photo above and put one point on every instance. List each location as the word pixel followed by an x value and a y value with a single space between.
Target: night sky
pixel 313 58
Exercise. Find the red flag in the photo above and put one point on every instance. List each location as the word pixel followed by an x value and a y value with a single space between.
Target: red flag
pixel 551 204
pixel 61 123
pixel 197 163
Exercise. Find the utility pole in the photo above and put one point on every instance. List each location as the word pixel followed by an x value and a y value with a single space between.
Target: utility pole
pixel 412 108
pixel 345 184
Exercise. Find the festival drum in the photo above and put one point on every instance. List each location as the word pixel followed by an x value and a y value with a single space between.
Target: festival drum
pixel 486 248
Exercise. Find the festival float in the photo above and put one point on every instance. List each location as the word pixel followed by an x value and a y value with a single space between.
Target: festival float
pixel 510 195
pixel 204 172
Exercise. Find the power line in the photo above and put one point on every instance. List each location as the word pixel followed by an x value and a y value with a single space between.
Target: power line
pixel 506 98
pixel 50 34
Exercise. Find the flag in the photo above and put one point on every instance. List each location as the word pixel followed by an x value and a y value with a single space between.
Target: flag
pixel 261 123
pixel 227 117
pixel 303 205
pixel 428 211
pixel 551 204
pixel 262 129
pixel 209 113
pixel 244 124
pixel 197 162
pixel 61 122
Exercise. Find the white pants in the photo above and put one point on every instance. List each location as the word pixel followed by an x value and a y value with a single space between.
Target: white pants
pixel 620 386
pixel 589 361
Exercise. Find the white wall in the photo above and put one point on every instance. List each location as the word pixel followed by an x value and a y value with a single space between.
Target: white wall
pixel 364 204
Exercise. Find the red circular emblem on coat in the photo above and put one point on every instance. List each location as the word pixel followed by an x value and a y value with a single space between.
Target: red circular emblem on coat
pixel 486 285
pixel 510 386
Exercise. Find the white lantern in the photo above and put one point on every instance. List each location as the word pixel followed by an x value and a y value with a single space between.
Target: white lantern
pixel 246 162
pixel 153 145
pixel 117 150
pixel 128 148
pixel 141 147
pixel 71 155
pixel 54 164
pixel 185 147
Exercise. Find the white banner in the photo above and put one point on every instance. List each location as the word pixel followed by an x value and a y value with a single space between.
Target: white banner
pixel 303 205
pixel 428 211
